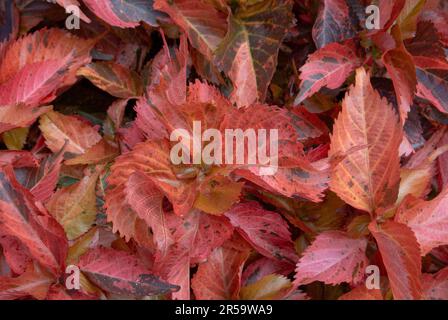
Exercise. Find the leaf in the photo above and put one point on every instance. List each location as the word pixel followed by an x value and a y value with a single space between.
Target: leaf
pixel 200 233
pixel 58 128
pixel 401 257
pixel 39 83
pixel 419 170
pixel 270 287
pixel 427 45
pixel 362 293
pixel 433 84
pixel 435 286
pixel 49 59
pixel 205 25
pixel 368 178
pixel 248 53
pixel 122 273
pixel 81 245
pixel 401 69
pixel 265 230
pixel 333 257
pixel 438 18
pixel 113 78
pixel 18 159
pixel 333 23
pixel 46 177
pixel 291 182
pixel 124 13
pixel 218 195
pixel 33 282
pixel 175 267
pixel 151 158
pixel 428 220
pixel 74 207
pixel 19 116
pixel 263 267
pixel 196 236
pixel 101 152
pixel 220 277
pixel 407 20
pixel 327 67
pixel 389 12
pixel 146 200
pixel 15 139
pixel 15 254
pixel 21 218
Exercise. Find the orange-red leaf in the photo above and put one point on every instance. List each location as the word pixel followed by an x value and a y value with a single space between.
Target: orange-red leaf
pixel 122 273
pixel 59 129
pixel 205 25
pixel 428 220
pixel 367 178
pixel 362 293
pixel 265 230
pixel 220 277
pixel 333 257
pixel 113 78
pixel 401 256
pixel 36 229
pixel 327 67
pixel 435 286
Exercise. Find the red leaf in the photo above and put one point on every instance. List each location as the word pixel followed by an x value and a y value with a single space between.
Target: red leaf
pixel 428 220
pixel 367 178
pixel 175 268
pixel 333 23
pixel 113 78
pixel 33 282
pixel 124 13
pixel 400 66
pixel 265 230
pixel 291 182
pixel 435 286
pixel 59 129
pixel 220 277
pixel 327 67
pixel 334 257
pixel 200 233
pixel 401 256
pixel 248 56
pixel 18 159
pixel 263 267
pixel 196 236
pixel 48 61
pixel 42 236
pixel 151 158
pixel 144 197
pixel 19 116
pixel 15 254
pixel 433 84
pixel 39 82
pixel 205 25
pixel 121 273
pixel 362 293
pixel 47 175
